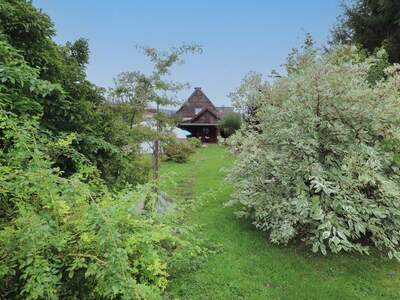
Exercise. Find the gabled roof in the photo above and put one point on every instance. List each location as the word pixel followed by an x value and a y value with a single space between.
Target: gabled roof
pixel 205 110
pixel 199 110
pixel 196 100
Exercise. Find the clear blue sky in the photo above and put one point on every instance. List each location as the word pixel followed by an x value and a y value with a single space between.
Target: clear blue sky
pixel 237 36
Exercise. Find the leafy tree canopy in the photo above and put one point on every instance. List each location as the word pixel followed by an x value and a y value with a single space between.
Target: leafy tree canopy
pixel 230 123
pixel 371 24
pixel 73 104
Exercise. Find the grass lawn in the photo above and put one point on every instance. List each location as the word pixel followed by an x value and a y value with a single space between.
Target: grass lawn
pixel 248 267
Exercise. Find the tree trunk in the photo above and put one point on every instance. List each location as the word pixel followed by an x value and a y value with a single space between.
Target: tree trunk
pixel 156 154
pixel 156 160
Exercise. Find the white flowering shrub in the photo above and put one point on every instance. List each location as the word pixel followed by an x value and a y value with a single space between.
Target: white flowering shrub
pixel 319 160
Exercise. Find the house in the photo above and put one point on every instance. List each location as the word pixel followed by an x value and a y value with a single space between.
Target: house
pixel 200 116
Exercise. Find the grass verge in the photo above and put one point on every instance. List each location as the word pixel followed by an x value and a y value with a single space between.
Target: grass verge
pixel 248 267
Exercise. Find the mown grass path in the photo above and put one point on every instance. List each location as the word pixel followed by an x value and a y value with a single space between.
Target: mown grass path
pixel 249 267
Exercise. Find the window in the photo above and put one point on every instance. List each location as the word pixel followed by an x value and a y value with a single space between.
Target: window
pixel 197 110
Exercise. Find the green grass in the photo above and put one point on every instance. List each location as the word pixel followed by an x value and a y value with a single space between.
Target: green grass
pixel 249 267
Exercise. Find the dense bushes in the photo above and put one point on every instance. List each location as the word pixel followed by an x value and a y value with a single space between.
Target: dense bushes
pixel 178 150
pixel 319 161
pixel 70 238
pixel 63 234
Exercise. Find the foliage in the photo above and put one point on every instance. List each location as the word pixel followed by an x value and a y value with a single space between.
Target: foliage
pixel 28 30
pixel 69 238
pixel 178 150
pixel 63 234
pixel 321 165
pixel 372 24
pixel 229 123
pixel 31 62
pixel 245 97
pixel 196 142
pixel 130 95
pixel 21 90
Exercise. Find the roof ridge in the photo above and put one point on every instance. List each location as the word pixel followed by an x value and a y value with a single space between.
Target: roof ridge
pixel 197 90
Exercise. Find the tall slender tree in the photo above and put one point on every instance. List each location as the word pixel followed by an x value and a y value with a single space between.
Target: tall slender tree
pixel 137 90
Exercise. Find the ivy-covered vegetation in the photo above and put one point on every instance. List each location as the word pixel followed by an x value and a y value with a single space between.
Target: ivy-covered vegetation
pixel 318 160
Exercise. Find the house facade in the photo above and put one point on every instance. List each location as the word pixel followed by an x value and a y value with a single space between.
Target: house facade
pixel 200 116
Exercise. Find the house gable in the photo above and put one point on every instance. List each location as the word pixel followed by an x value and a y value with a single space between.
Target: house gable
pixel 196 103
pixel 205 117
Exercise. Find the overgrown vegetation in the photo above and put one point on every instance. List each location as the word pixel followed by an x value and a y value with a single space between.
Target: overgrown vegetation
pixel 70 238
pixel 77 210
pixel 319 162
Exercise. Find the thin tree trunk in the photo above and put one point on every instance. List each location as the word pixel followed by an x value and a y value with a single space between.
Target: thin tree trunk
pixel 132 120
pixel 156 160
pixel 156 154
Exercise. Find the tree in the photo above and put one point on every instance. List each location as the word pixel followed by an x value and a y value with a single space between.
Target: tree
pixel 138 90
pixel 371 24
pixel 245 98
pixel 129 95
pixel 75 106
pixel 322 164
pixel 230 123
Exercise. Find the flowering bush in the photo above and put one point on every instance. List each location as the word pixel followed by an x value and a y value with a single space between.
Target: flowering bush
pixel 319 159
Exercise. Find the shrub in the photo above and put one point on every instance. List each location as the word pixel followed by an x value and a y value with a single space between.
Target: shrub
pixel 322 165
pixel 229 124
pixel 70 238
pixel 195 142
pixel 178 150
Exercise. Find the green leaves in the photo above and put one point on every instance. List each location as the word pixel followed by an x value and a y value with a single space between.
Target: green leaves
pixel 230 123
pixel 71 237
pixel 317 158
pixel 47 81
pixel 63 234
pixel 21 90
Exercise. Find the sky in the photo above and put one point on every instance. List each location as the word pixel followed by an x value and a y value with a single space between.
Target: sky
pixel 237 36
